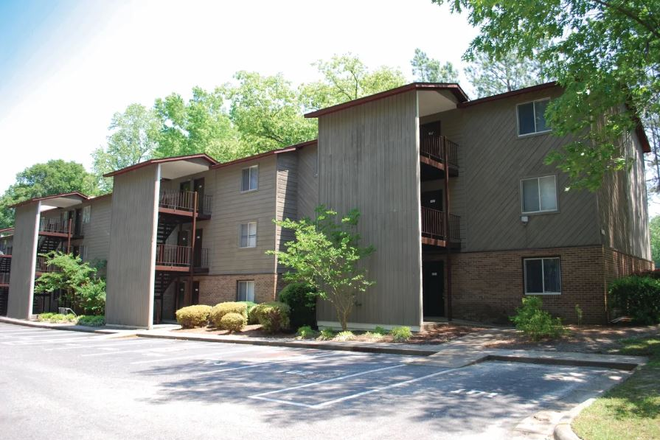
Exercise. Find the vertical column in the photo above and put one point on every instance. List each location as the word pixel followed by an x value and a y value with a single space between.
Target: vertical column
pixel 24 261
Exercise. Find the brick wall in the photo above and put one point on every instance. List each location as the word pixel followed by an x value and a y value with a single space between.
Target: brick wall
pixel 488 286
pixel 220 288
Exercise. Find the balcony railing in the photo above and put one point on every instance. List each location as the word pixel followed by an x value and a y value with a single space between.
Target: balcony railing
pixel 434 148
pixel 6 250
pixel 185 201
pixel 54 225
pixel 43 267
pixel 4 278
pixel 172 255
pixel 434 225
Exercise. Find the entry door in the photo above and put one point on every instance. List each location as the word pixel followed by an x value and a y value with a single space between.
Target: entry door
pixel 198 185
pixel 433 288
pixel 195 293
pixel 78 225
pixel 184 186
pixel 182 238
pixel 429 134
pixel 197 261
pixel 180 297
pixel 433 199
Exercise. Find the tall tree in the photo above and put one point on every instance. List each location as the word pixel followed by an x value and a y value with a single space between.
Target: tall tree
pixel 652 124
pixel 605 53
pixel 427 69
pixel 489 76
pixel 266 112
pixel 199 125
pixel 654 226
pixel 44 179
pixel 345 78
pixel 133 138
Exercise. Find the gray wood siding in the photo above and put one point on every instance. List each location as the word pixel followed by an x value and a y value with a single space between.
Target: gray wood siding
pixel 132 248
pixel 308 181
pixel 622 205
pixel 287 206
pixel 232 208
pixel 23 262
pixel 369 160
pixel 97 232
pixel 487 194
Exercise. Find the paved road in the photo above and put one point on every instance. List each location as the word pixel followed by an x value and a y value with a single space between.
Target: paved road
pixel 67 385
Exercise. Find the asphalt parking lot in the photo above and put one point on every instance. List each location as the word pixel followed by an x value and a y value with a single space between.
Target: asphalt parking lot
pixel 59 384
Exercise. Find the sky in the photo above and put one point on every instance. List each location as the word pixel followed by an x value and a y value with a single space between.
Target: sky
pixel 67 66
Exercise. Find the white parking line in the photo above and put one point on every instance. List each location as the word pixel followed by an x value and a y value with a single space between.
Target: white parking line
pixel 109 343
pixel 304 357
pixel 32 342
pixel 197 355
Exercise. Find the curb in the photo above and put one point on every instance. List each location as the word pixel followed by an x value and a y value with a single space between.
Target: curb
pixel 626 366
pixel 299 344
pixel 563 430
pixel 65 327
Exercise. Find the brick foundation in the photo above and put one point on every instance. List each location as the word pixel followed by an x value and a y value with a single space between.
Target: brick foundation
pixel 214 289
pixel 488 286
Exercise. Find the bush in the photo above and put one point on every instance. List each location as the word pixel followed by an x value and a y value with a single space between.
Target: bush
pixel 374 336
pixel 273 316
pixel 535 322
pixel 326 334
pixel 636 296
pixel 345 336
pixel 45 317
pixel 234 322
pixel 91 321
pixel 301 298
pixel 306 332
pixel 401 334
pixel 250 306
pixel 220 310
pixel 55 318
pixel 193 316
pixel 380 331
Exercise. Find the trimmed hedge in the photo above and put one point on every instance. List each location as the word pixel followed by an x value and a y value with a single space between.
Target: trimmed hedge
pixel 234 322
pixel 91 321
pixel 273 316
pixel 636 296
pixel 301 298
pixel 220 310
pixel 193 316
pixel 250 305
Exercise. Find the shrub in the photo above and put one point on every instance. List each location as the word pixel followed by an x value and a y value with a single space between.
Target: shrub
pixel 578 312
pixel 220 310
pixel 637 296
pixel 326 334
pixel 273 316
pixel 401 334
pixel 56 318
pixel 91 321
pixel 306 332
pixel 301 298
pixel 234 322
pixel 535 322
pixel 193 316
pixel 250 306
pixel 374 336
pixel 45 316
pixel 380 331
pixel 345 336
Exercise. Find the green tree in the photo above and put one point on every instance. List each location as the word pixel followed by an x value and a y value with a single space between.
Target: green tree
pixel 133 138
pixel 345 78
pixel 44 179
pixel 489 76
pixel 604 53
pixel 427 69
pixel 654 226
pixel 266 112
pixel 326 255
pixel 199 125
pixel 78 282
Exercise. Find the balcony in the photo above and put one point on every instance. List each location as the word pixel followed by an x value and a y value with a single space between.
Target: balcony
pixel 55 228
pixel 6 250
pixel 173 258
pixel 4 279
pixel 182 203
pixel 42 267
pixel 434 228
pixel 434 151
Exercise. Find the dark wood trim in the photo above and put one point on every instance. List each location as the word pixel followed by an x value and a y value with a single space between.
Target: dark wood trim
pixel 268 153
pixel 172 268
pixel 55 196
pixel 510 94
pixel 163 160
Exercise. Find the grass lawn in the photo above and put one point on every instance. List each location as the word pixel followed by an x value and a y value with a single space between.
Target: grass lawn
pixel 630 410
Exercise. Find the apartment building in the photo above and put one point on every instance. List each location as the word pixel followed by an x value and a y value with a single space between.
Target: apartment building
pixel 465 216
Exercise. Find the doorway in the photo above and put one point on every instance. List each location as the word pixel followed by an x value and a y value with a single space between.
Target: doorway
pixel 433 289
pixel 433 199
pixel 197 257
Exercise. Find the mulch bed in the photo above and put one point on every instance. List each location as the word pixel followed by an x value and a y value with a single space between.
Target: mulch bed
pixel 584 339
pixel 437 335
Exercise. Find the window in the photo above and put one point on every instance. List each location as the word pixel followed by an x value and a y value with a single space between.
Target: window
pixel 248 235
pixel 531 117
pixel 245 291
pixel 250 179
pixel 87 214
pixel 542 276
pixel 539 195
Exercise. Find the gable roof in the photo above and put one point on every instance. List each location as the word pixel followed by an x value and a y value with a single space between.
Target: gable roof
pixel 162 160
pixel 454 88
pixel 80 195
pixel 267 153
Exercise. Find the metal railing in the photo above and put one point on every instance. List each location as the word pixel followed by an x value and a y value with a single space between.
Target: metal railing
pixel 6 250
pixel 4 277
pixel 434 148
pixel 54 225
pixel 43 267
pixel 173 255
pixel 185 201
pixel 434 225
